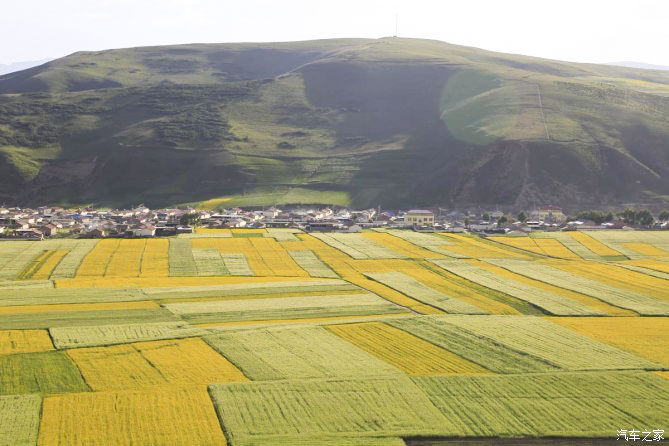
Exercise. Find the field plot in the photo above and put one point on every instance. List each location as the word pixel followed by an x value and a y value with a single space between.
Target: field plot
pixel 148 417
pixel 543 246
pixel 401 246
pixel 10 251
pixel 78 250
pixel 75 318
pixel 466 246
pixel 275 337
pixel 312 264
pixel 565 405
pixel 611 275
pixel 541 339
pixel 95 263
pixel 287 410
pixel 71 337
pixel 24 341
pixel 282 234
pixel 614 296
pixel 550 302
pixel 146 364
pixel 652 264
pixel 23 259
pixel 250 288
pixel 297 307
pixel 647 243
pixel 593 245
pixel 208 262
pixel 570 243
pixel 19 419
pixel 477 349
pixel 47 372
pixel 410 354
pixel 264 256
pixel 45 296
pixel 421 292
pixel 155 259
pixel 295 353
pixel 646 337
pixel 430 242
pixel 181 261
pixel 357 246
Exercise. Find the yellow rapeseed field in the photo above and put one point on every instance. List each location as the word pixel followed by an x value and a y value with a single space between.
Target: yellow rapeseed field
pixel 463 293
pixel 24 341
pixel 157 417
pixel 206 231
pixel 471 247
pixel 189 361
pixel 647 337
pixel 155 259
pixel 408 353
pixel 617 277
pixel 525 243
pixel 593 245
pixel 657 265
pixel 44 272
pixel 554 248
pixel 248 231
pixel 591 302
pixel 33 266
pixel 401 246
pixel 153 363
pixel 95 263
pixel 646 249
pixel 127 259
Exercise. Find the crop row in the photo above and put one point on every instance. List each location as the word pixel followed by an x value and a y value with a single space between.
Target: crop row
pixel 615 296
pixel 550 302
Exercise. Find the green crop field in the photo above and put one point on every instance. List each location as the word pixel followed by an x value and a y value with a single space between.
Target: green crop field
pixel 375 339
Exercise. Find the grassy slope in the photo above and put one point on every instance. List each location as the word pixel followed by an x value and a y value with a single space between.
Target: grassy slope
pixel 348 121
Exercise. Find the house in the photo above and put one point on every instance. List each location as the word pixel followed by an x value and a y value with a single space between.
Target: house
pixel 30 234
pixel 96 233
pixel 144 231
pixel 550 214
pixel 419 217
pixel 48 229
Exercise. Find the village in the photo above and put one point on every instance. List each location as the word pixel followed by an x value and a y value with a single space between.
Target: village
pixel 141 221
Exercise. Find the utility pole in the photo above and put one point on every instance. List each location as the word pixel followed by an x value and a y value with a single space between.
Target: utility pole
pixel 396 17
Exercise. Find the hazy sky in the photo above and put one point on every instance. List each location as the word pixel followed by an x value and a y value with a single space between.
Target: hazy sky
pixel 576 30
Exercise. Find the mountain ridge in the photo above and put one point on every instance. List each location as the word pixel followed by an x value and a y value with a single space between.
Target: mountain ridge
pixel 361 122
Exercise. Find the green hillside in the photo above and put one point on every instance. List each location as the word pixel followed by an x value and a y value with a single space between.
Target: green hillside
pixel 391 122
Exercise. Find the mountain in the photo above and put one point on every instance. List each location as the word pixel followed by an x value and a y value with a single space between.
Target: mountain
pixel 18 66
pixel 642 65
pixel 363 122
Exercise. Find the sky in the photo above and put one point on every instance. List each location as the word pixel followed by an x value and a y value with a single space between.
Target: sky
pixel 596 31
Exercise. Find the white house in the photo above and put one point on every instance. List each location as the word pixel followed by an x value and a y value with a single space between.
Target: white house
pixel 419 217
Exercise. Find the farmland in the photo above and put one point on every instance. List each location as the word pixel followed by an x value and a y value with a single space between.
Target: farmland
pixel 278 337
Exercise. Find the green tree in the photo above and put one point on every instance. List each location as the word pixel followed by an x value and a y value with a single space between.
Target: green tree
pixel 190 219
pixel 502 220
pixel 664 216
pixel 645 218
pixel 522 217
